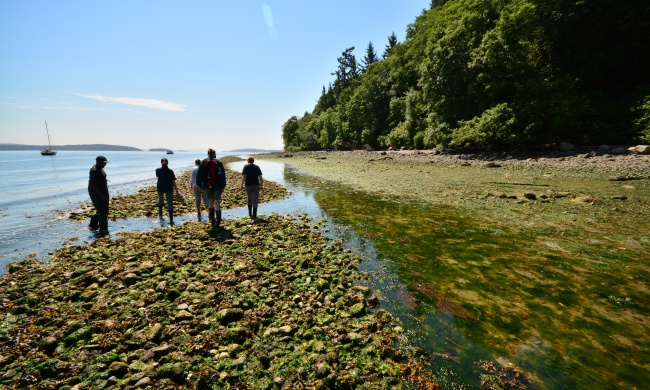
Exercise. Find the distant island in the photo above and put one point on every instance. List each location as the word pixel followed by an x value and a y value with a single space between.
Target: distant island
pixel 252 151
pixel 87 147
pixel 114 148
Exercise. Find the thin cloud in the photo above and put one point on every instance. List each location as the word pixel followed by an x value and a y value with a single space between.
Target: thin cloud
pixel 68 108
pixel 21 106
pixel 139 102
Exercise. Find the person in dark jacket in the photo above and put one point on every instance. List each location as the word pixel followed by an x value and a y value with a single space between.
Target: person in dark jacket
pixel 98 191
pixel 211 177
pixel 166 183
pixel 253 182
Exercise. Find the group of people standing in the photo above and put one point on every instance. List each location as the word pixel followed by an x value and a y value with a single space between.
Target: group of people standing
pixel 208 180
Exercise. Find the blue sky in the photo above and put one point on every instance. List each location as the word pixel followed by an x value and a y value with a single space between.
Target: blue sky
pixel 177 74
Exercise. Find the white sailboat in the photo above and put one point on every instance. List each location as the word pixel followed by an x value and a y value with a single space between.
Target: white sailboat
pixel 48 151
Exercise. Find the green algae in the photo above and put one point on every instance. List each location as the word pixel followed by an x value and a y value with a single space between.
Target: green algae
pixel 557 285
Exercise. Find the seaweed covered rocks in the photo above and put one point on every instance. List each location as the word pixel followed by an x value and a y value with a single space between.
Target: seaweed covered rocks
pixel 272 305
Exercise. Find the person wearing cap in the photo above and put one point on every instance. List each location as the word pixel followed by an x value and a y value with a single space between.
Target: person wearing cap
pixel 166 184
pixel 98 191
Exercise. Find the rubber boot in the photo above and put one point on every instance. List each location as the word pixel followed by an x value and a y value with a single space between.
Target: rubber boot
pixel 171 217
pixel 198 213
pixel 94 222
pixel 254 212
pixel 250 212
pixel 159 211
pixel 218 218
pixel 103 225
pixel 211 211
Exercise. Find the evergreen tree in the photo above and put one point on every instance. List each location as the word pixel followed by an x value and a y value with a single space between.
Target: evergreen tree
pixel 326 100
pixel 371 56
pixel 437 3
pixel 392 41
pixel 348 70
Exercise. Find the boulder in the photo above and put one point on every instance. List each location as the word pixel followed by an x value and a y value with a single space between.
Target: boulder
pixel 566 147
pixel 9 374
pixel 604 148
pixel 119 369
pixel 142 383
pixel 161 350
pixel 227 316
pixel 640 149
pixel 619 150
pixel 49 344
pixel 183 315
pixel 130 279
pixel 357 310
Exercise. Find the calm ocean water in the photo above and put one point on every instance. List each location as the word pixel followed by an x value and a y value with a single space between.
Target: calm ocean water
pixel 38 192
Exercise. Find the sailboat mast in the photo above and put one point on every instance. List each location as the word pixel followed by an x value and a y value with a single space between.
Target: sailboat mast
pixel 48 135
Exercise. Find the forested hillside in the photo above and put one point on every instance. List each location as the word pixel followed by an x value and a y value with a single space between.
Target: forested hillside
pixel 502 73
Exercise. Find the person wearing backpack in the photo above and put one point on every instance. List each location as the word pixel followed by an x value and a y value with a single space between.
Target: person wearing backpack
pixel 253 183
pixel 166 183
pixel 211 178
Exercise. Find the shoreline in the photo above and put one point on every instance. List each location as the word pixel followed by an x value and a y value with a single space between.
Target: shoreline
pixel 514 188
pixel 587 159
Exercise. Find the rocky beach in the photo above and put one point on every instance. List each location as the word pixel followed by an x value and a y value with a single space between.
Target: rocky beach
pixel 273 303
pixel 261 304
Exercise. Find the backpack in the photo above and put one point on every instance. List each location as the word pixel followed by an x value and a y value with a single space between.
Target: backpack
pixel 213 172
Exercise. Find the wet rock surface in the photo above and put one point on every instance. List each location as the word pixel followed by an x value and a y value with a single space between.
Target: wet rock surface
pixel 242 306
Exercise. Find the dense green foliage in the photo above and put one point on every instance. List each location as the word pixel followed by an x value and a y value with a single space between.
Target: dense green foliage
pixel 473 73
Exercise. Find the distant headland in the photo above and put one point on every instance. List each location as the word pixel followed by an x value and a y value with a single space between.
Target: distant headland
pixel 115 148
pixel 252 151
pixel 88 147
